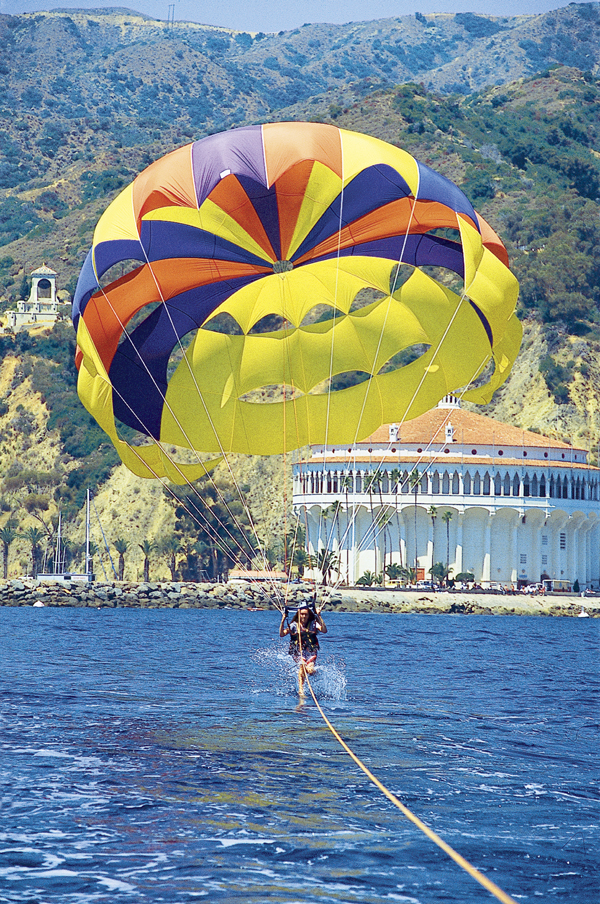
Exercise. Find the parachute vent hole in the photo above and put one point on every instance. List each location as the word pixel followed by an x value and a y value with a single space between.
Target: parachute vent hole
pixel 270 323
pixel 447 278
pixel 400 274
pixel 176 356
pixel 342 381
pixel 117 271
pixel 272 394
pixel 366 297
pixel 223 323
pixel 138 318
pixel 446 232
pixel 282 266
pixel 321 313
pixel 404 358
pixel 484 377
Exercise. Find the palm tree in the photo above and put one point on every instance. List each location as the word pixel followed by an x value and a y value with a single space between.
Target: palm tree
pixel 373 482
pixel 8 534
pixel 413 482
pixel 347 484
pixel 169 547
pixel 384 520
pixel 432 512
pixel 335 508
pixel 301 560
pixel 447 518
pixel 34 536
pixel 394 571
pixel 395 479
pixel 121 546
pixel 147 548
pixel 327 562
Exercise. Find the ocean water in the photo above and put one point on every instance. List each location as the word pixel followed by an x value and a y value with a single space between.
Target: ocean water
pixel 163 756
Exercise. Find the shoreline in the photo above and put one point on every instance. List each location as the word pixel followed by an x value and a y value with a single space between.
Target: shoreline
pixel 252 597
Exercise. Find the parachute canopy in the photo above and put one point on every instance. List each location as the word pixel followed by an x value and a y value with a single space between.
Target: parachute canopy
pixel 282 285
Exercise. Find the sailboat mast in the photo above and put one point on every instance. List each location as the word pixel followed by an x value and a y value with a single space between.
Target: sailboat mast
pixel 87 537
pixel 57 557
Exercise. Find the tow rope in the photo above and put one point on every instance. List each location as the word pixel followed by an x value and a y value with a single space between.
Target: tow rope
pixel 458 858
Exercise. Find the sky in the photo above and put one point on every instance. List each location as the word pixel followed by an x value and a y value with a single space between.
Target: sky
pixel 278 15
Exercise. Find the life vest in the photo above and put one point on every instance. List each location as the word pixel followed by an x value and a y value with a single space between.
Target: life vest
pixel 308 642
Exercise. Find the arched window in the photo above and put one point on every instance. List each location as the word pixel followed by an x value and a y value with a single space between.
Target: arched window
pixel 467 484
pixel 486 484
pixel 534 486
pixel 425 483
pixel 543 486
pixel 385 482
pixel 455 484
pixel 44 288
pixel 335 482
pixel 435 482
pixel 552 487
pixel 358 482
pixel 526 485
pixel 476 484
pixel 445 483
pixel 516 485
pixel 497 485
pixel 506 485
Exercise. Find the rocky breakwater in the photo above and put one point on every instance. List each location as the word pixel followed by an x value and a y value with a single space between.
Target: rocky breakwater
pixel 151 595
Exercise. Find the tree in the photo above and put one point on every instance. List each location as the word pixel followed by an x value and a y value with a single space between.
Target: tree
pixel 121 546
pixel 34 536
pixel 395 480
pixel 300 560
pixel 413 482
pixel 169 547
pixel 447 518
pixel 327 561
pixel 384 520
pixel 432 512
pixel 440 572
pixel 8 534
pixel 394 571
pixel 368 579
pixel 347 484
pixel 211 521
pixel 373 482
pixel 147 548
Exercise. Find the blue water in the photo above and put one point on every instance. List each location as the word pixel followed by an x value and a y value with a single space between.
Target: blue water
pixel 161 756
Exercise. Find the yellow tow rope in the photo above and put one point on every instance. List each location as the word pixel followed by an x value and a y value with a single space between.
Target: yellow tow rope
pixel 468 867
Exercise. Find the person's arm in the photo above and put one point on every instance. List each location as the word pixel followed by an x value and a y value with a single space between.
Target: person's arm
pixel 283 628
pixel 321 626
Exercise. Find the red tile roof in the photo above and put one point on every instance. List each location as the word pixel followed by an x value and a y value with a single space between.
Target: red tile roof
pixel 469 429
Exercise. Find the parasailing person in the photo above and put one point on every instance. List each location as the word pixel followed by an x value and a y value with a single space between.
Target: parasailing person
pixel 303 631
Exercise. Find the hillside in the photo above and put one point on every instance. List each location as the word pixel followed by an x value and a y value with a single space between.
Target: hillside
pixel 80 124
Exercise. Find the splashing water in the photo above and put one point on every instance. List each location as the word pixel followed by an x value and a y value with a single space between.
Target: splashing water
pixel 281 674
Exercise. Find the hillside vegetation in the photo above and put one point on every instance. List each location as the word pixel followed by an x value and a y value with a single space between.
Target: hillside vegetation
pixel 90 98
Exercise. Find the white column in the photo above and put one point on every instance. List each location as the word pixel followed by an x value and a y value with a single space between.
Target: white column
pixel 458 551
pixel 487 549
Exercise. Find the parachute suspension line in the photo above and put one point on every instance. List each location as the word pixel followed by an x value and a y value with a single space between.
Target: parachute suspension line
pixel 483 880
pixel 383 325
pixel 205 526
pixel 335 295
pixel 112 564
pixel 177 421
pixel 350 522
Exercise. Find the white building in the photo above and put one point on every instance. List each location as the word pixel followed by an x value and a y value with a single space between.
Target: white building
pixel 522 507
pixel 42 308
